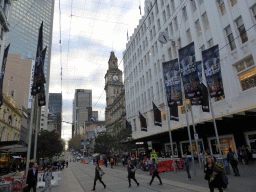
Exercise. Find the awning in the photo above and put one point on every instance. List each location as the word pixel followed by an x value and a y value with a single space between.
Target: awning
pixel 13 146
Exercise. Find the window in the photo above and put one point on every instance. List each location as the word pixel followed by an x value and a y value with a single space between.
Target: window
pixel 168 11
pixel 198 27
pixel 189 36
pixel 230 37
pixel 179 43
pixel 173 5
pixel 210 43
pixel 164 14
pixel 201 2
pixel 134 123
pixel 202 48
pixel 205 20
pixel 171 29
pixel 246 71
pixel 158 24
pixel 176 23
pixel 242 30
pixel 193 5
pixel 233 2
pixel 222 7
pixel 184 12
pixel 170 53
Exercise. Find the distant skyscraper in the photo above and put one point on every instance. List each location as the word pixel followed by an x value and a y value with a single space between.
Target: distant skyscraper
pixel 95 115
pixel 82 108
pixel 23 35
pixel 55 111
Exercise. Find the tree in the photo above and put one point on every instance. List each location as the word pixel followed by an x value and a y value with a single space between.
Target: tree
pixel 49 144
pixel 75 142
pixel 104 143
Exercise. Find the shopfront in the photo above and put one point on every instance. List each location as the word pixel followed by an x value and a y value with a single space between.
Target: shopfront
pixel 226 142
pixel 168 149
pixel 185 147
pixel 251 141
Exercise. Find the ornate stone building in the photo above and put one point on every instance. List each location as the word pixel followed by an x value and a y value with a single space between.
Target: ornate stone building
pixel 115 96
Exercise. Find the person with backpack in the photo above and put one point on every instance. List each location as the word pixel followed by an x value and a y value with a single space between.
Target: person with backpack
pixel 233 160
pixel 97 176
pixel 155 172
pixel 131 173
pixel 47 179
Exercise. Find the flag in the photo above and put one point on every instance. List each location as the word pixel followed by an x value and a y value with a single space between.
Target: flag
pixel 174 113
pixel 157 116
pixel 188 69
pixel 140 9
pixel 212 70
pixel 143 123
pixel 2 73
pixel 37 71
pixel 41 96
pixel 129 127
pixel 205 98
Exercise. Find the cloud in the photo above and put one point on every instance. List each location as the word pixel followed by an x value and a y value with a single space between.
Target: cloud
pixel 87 38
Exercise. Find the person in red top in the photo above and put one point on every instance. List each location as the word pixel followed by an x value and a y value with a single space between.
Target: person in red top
pixel 112 162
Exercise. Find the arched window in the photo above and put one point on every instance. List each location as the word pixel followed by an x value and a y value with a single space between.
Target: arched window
pixel 10 120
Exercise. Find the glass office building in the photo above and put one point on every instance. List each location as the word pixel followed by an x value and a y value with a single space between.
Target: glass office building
pixel 25 19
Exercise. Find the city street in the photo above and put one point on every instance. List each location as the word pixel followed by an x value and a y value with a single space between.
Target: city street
pixel 79 177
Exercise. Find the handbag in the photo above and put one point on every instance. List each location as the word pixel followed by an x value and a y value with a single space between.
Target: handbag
pixel 102 173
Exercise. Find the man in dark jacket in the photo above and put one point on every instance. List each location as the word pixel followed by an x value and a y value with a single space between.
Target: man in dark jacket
pixel 97 176
pixel 186 160
pixel 155 172
pixel 131 173
pixel 32 178
pixel 232 159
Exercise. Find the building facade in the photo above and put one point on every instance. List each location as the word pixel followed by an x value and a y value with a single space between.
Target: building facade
pixel 5 26
pixel 228 23
pixel 55 111
pixel 10 121
pixel 82 108
pixel 24 36
pixel 95 115
pixel 114 87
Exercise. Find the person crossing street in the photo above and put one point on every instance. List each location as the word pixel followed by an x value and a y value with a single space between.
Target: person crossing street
pixel 131 173
pixel 47 179
pixel 155 172
pixel 97 176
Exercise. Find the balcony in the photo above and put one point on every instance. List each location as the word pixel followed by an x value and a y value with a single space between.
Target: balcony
pixel 3 20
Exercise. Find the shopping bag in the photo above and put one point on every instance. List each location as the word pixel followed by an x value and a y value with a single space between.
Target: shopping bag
pixel 102 173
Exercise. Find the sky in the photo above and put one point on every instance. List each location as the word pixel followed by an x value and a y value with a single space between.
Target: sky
pixel 95 28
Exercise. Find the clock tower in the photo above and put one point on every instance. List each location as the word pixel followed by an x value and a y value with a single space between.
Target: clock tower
pixel 114 87
pixel 113 79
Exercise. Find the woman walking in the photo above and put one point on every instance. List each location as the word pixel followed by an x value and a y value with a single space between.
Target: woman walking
pixel 131 173
pixel 213 175
pixel 97 176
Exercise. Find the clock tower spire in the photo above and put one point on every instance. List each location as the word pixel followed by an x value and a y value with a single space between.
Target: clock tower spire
pixel 112 62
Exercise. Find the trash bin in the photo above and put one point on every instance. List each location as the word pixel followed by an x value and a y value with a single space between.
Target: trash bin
pixel 224 162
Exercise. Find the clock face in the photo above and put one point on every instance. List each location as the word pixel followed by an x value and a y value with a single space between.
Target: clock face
pixel 115 78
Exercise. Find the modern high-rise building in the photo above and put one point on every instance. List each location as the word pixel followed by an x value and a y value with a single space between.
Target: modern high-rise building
pixel 25 19
pixel 95 115
pixel 82 108
pixel 55 112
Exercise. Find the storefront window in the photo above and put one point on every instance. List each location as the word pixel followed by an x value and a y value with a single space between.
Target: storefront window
pixel 252 141
pixel 168 149
pixel 225 144
pixel 186 147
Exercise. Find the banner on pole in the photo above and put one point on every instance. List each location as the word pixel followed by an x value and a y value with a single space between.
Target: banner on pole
pixel 188 69
pixel 129 127
pixel 157 116
pixel 143 123
pixel 172 82
pixel 205 99
pixel 37 72
pixel 174 113
pixel 41 96
pixel 2 73
pixel 149 145
pixel 212 70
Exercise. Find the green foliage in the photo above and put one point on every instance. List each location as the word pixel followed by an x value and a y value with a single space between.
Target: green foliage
pixel 104 143
pixel 75 142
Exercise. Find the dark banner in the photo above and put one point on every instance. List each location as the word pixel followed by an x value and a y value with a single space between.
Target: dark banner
pixel 174 113
pixel 143 123
pixel 197 100
pixel 172 82
pixel 82 144
pixel 37 72
pixel 212 70
pixel 41 95
pixel 205 98
pixel 2 73
pixel 188 69
pixel 157 116
pixel 129 127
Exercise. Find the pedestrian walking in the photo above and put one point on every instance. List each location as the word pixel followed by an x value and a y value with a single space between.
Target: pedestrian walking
pixel 186 160
pixel 32 178
pixel 112 162
pixel 233 160
pixel 97 176
pixel 155 172
pixel 67 164
pixel 123 161
pixel 47 179
pixel 135 161
pixel 213 175
pixel 131 173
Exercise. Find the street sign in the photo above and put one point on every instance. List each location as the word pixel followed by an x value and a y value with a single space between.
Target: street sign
pixel 163 37
pixel 196 136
